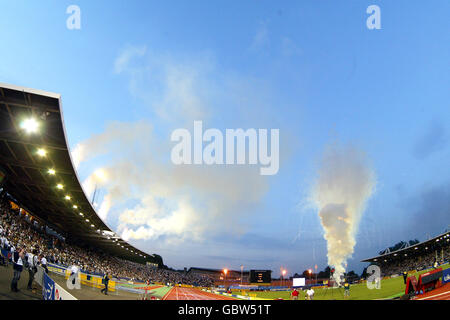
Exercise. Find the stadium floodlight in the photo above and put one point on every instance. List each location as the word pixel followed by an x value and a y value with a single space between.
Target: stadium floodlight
pixel 51 171
pixel 41 152
pixel 59 186
pixel 67 197
pixel 30 125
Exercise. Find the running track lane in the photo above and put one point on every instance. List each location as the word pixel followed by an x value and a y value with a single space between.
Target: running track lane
pixel 442 293
pixel 180 293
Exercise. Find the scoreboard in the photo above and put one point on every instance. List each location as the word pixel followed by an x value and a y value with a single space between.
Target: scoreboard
pixel 261 276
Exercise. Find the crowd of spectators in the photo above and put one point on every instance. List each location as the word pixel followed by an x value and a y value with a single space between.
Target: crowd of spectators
pixel 17 231
pixel 417 262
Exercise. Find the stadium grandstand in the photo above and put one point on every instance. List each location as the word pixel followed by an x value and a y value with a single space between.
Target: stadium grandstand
pixel 219 276
pixel 43 207
pixel 418 256
pixel 38 174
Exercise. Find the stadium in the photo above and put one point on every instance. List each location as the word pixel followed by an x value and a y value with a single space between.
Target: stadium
pixel 45 213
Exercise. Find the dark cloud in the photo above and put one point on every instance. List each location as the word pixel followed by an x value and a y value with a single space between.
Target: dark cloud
pixel 431 141
pixel 429 211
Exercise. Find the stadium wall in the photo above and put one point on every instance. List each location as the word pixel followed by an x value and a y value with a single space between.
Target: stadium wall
pixel 85 278
pixel 50 289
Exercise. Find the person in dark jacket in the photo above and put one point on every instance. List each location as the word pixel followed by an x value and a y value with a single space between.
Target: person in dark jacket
pixel 32 260
pixel 105 282
pixel 18 261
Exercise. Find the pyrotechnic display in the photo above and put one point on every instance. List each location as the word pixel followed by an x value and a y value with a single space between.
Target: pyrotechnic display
pixel 344 185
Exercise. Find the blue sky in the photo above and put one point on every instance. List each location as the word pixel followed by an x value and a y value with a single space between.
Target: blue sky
pixel 312 69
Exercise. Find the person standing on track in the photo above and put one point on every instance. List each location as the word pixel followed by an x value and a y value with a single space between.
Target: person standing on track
pixel 18 261
pixel 105 282
pixel 347 289
pixel 147 285
pixel 32 267
pixel 294 294
pixel 44 264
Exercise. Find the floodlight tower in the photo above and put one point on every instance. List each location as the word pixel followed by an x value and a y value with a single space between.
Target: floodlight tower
pixel 225 271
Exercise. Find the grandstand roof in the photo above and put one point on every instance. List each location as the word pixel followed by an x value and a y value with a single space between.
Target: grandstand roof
pixel 430 244
pixel 28 175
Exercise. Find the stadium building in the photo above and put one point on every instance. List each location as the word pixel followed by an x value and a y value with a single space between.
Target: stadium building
pixel 416 257
pixel 37 172
pixel 39 183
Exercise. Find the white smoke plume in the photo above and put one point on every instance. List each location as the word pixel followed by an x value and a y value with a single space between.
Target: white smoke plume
pixel 147 199
pixel 173 202
pixel 345 183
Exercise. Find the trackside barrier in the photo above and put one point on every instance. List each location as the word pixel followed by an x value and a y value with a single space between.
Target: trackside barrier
pixel 50 289
pixel 446 276
pixel 90 280
pixel 39 276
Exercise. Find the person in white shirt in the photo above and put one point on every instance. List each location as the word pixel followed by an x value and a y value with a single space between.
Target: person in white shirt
pixel 44 264
pixel 12 249
pixel 310 294
pixel 17 259
pixel 2 244
pixel 74 273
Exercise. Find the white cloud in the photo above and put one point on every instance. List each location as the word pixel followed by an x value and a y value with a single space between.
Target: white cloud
pixel 122 62
pixel 145 195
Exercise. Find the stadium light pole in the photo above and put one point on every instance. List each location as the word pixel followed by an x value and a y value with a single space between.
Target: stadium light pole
pixel 225 271
pixel 283 274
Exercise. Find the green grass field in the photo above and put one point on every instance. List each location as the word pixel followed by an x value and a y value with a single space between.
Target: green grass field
pixel 390 288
